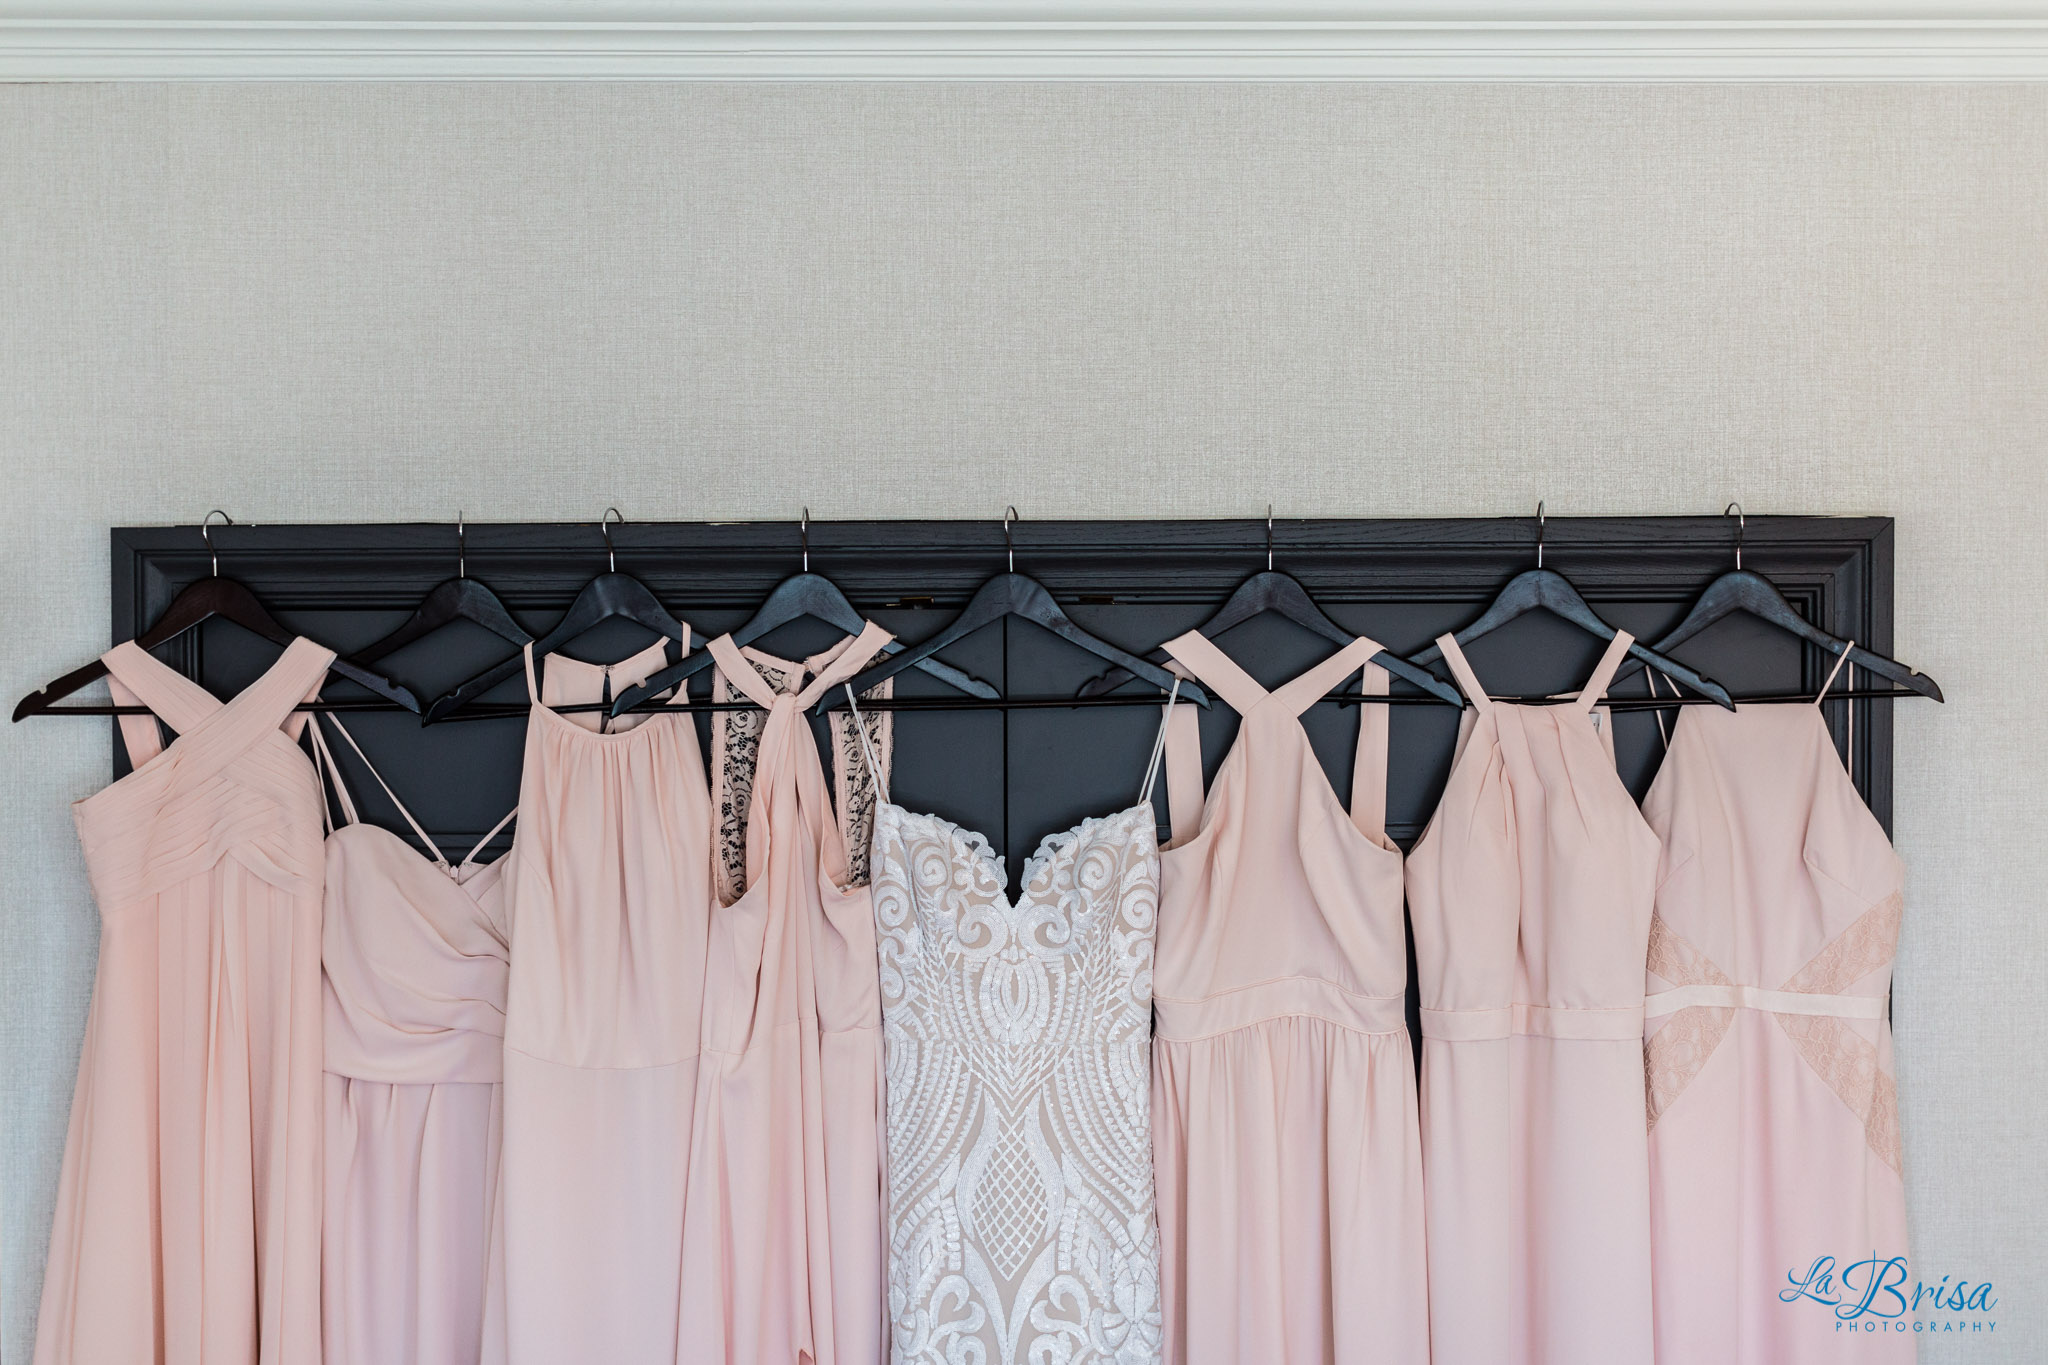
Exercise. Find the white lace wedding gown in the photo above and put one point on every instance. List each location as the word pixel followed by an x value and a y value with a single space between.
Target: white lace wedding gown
pixel 1018 1045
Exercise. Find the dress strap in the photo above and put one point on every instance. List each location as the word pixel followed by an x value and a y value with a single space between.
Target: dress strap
pixel 348 807
pixel 860 727
pixel 1822 695
pixel 734 668
pixel 1301 692
pixel 1201 660
pixel 1369 764
pixel 139 678
pixel 329 778
pixel 1849 761
pixel 503 821
pixel 532 686
pixel 1603 672
pixel 330 772
pixel 1159 745
pixel 1184 794
pixel 142 736
pixel 1468 681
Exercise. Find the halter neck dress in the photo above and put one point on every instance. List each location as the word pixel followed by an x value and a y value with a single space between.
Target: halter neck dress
pixel 1531 892
pixel 187 1229
pixel 1774 1119
pixel 414 962
pixel 607 899
pixel 1284 1114
pixel 782 1243
pixel 1018 1039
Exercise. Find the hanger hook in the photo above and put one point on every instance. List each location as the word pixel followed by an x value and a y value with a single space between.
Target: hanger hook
pixel 1009 542
pixel 611 555
pixel 206 534
pixel 1269 537
pixel 461 548
pixel 1741 528
pixel 1539 533
pixel 804 530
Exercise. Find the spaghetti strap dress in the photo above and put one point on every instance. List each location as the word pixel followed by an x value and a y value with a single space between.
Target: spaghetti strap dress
pixel 188 1212
pixel 1018 1042
pixel 1284 1109
pixel 414 961
pixel 1774 1113
pixel 607 901
pixel 1530 892
pixel 782 1246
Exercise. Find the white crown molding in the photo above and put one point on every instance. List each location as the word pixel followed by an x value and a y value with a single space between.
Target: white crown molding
pixel 1030 40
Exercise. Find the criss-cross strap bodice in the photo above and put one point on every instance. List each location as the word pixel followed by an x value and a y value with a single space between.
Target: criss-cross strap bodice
pixel 1276 902
pixel 1018 1038
pixel 1531 888
pixel 232 785
pixel 414 950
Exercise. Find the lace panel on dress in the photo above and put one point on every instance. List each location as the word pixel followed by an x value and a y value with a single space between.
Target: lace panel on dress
pixel 1839 1055
pixel 736 752
pixel 1018 1046
pixel 1675 1053
pixel 1846 1059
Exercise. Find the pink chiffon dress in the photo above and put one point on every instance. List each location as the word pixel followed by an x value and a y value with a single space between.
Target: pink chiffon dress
pixel 1774 1119
pixel 782 1246
pixel 1283 1107
pixel 1531 892
pixel 414 959
pixel 607 898
pixel 188 1213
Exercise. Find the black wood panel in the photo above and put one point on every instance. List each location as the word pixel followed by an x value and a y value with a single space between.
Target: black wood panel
pixel 1023 775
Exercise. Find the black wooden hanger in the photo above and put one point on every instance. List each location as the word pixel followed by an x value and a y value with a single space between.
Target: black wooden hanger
pixel 1548 590
pixel 609 595
pixel 1013 594
pixel 460 598
pixel 1744 590
pixel 209 597
pixel 800 595
pixel 1283 594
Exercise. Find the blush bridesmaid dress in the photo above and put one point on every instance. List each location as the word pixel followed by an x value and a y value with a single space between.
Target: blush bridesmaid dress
pixel 1283 1105
pixel 414 961
pixel 1774 1115
pixel 607 902
pixel 188 1212
pixel 783 1242
pixel 1530 893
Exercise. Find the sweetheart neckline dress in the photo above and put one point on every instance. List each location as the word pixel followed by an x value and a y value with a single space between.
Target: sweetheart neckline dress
pixel 1022 1222
pixel 414 961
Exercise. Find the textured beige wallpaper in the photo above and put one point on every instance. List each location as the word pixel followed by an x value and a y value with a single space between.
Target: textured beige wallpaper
pixel 361 303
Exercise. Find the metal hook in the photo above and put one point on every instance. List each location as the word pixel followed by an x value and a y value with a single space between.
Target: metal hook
pixel 1741 529
pixel 1009 542
pixel 461 549
pixel 611 555
pixel 804 529
pixel 206 534
pixel 1269 537
pixel 1539 533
